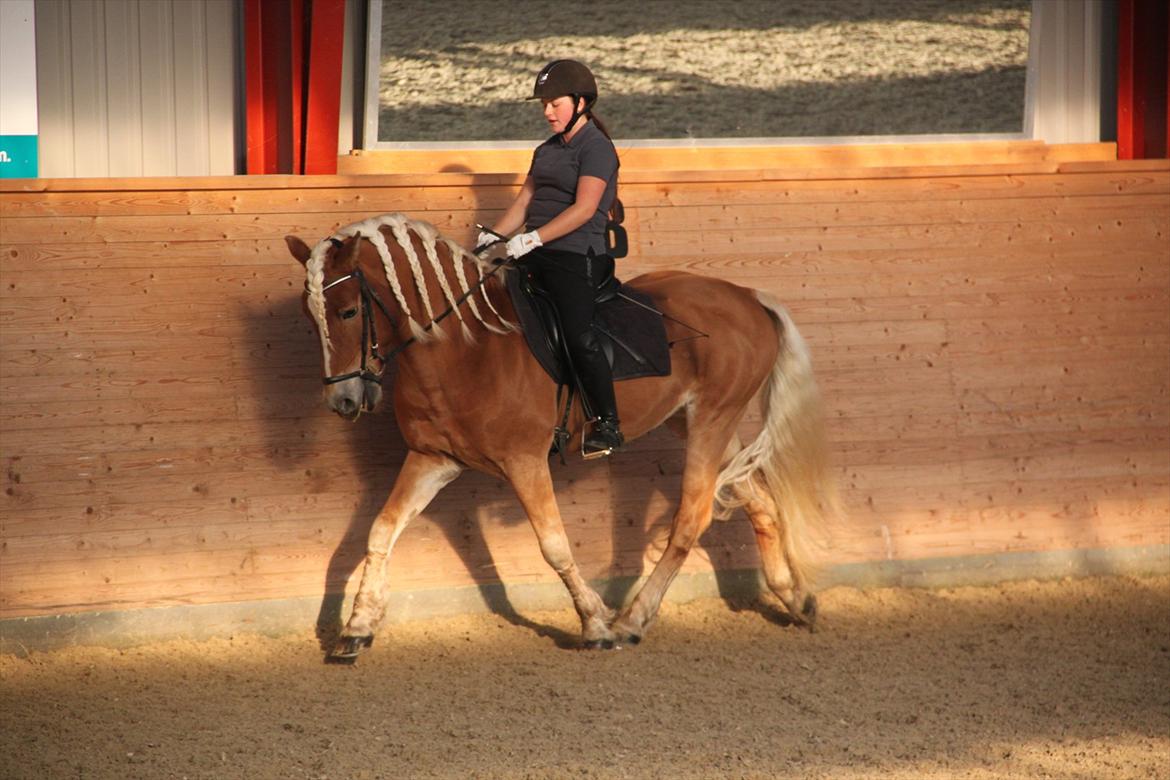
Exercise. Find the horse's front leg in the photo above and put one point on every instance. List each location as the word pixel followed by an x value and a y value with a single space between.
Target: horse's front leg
pixel 422 476
pixel 532 482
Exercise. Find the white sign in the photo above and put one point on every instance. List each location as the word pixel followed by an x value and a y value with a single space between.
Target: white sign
pixel 18 89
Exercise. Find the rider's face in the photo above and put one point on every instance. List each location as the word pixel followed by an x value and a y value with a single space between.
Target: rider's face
pixel 558 112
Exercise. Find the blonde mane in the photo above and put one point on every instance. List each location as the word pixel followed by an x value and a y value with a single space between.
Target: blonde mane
pixel 400 228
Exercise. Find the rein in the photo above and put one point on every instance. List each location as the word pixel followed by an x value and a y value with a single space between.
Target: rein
pixel 370 348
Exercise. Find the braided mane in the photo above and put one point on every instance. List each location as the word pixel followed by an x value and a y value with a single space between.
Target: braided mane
pixel 399 229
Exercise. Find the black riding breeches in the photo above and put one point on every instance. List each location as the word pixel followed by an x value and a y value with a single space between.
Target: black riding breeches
pixel 572 280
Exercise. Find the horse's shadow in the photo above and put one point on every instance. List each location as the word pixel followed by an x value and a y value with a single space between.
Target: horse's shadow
pixel 284 348
pixel 286 365
pixel 376 452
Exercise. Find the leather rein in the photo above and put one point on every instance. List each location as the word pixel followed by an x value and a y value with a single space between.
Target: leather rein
pixel 367 303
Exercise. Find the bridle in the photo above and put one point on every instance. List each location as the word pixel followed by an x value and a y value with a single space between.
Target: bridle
pixel 370 347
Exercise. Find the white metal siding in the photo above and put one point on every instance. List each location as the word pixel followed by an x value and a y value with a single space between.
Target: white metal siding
pixel 1064 72
pixel 136 87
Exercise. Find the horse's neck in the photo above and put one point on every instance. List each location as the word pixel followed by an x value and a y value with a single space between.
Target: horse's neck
pixel 438 289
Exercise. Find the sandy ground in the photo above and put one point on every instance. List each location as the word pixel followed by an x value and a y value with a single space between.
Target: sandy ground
pixel 670 69
pixel 1065 679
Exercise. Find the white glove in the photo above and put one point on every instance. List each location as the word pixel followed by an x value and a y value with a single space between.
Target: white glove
pixel 485 240
pixel 522 244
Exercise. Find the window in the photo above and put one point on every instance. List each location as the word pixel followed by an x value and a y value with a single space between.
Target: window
pixel 458 73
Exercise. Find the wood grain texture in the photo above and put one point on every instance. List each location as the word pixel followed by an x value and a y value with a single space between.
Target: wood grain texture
pixel 723 158
pixel 992 343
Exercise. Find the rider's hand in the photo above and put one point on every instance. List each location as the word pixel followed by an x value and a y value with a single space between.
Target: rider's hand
pixel 485 240
pixel 522 244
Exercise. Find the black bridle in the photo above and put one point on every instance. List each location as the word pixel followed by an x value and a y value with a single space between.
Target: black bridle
pixel 370 348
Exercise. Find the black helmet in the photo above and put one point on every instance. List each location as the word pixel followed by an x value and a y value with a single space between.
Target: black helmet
pixel 565 77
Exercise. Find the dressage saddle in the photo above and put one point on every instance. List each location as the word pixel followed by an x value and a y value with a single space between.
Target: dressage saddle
pixel 629 326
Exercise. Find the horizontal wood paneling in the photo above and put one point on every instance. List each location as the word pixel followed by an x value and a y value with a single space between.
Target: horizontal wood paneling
pixel 722 158
pixel 993 345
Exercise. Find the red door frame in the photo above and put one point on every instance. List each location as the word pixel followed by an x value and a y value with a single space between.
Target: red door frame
pixel 292 59
pixel 1143 95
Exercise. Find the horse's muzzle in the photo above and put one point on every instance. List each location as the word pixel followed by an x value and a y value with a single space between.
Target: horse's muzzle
pixel 350 398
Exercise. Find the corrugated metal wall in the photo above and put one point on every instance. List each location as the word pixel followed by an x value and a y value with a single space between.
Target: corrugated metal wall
pixel 137 87
pixel 154 87
pixel 1064 104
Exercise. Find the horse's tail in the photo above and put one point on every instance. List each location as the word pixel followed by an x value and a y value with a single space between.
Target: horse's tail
pixel 788 458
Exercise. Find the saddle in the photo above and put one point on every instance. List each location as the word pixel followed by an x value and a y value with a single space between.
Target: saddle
pixel 630 329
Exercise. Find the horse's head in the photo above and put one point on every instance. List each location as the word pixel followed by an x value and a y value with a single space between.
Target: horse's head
pixel 348 316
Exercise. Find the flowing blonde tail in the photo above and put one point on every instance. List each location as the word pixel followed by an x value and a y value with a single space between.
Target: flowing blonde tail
pixel 788 458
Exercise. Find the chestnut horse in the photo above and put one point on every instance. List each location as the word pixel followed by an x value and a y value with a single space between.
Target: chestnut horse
pixel 469 394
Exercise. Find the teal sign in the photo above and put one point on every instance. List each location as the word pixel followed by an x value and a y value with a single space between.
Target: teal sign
pixel 18 156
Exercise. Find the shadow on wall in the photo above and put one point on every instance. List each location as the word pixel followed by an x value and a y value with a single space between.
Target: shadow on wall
pixel 350 470
pixel 302 436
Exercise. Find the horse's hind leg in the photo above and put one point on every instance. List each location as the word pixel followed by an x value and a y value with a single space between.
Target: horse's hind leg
pixel 422 476
pixel 533 485
pixel 704 453
pixel 782 578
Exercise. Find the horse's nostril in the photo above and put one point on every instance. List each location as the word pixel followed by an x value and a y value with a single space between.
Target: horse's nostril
pixel 347 406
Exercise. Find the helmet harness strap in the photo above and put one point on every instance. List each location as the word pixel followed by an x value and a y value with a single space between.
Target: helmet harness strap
pixel 577 113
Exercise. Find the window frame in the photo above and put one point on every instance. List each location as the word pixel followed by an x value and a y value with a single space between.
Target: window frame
pixel 1048 37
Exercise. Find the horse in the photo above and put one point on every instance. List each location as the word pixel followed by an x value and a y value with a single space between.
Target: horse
pixel 469 394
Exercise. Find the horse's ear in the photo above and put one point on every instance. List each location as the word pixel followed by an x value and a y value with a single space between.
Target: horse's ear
pixel 350 252
pixel 299 249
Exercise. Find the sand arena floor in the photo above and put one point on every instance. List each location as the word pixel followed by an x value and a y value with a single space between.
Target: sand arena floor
pixel 1066 679
pixel 682 69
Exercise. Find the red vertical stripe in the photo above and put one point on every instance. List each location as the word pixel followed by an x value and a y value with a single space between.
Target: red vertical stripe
pixel 293 60
pixel 1125 97
pixel 323 102
pixel 1143 79
pixel 258 152
pixel 296 75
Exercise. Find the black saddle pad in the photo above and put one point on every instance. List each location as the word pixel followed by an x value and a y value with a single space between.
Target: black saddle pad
pixel 630 329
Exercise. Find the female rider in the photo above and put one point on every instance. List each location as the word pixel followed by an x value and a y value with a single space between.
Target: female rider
pixel 562 207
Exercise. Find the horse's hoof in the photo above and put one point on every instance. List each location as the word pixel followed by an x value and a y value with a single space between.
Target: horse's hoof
pixel 599 644
pixel 348 648
pixel 808 612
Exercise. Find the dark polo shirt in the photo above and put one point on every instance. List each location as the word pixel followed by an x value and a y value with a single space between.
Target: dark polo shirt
pixel 556 166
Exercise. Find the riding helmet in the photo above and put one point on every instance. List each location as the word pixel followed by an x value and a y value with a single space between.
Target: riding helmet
pixel 565 77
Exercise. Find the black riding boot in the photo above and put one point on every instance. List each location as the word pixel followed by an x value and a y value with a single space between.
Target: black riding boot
pixel 571 279
pixel 605 437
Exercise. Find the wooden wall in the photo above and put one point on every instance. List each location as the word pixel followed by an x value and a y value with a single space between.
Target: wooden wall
pixel 651 157
pixel 993 343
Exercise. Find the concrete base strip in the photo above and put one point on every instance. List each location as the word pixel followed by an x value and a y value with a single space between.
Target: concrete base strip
pixel 288 616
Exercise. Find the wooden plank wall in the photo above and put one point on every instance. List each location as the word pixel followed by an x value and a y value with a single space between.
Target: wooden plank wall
pixel 738 157
pixel 993 343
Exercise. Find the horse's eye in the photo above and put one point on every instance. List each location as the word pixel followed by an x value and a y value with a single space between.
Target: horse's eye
pixel 349 314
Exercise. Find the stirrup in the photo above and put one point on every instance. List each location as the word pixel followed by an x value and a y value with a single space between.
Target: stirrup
pixel 602 453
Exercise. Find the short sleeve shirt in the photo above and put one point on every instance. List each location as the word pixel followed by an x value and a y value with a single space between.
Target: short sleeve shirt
pixel 556 166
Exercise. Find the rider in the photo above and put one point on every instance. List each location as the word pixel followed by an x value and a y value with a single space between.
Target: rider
pixel 562 207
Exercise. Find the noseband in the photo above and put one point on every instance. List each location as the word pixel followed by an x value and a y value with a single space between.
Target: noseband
pixel 370 348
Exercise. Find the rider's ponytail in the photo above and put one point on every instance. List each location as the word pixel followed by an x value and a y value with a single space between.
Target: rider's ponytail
pixel 615 210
